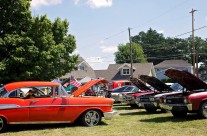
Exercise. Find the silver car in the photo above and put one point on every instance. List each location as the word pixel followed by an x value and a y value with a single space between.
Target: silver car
pixel 116 93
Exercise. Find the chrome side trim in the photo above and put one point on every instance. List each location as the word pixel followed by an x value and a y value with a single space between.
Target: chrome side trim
pixel 8 106
pixel 13 106
pixel 109 115
pixel 40 122
pixel 66 105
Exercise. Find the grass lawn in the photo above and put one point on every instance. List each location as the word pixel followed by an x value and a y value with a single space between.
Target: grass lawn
pixel 127 122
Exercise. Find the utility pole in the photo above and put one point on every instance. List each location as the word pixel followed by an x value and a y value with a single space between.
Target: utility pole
pixel 193 44
pixel 130 42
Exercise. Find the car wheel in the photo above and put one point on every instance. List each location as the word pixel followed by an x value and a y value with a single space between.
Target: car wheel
pixel 163 111
pixel 3 124
pixel 203 110
pixel 179 113
pixel 150 109
pixel 91 118
pixel 134 105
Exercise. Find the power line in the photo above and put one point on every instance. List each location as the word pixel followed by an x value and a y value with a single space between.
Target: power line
pixel 171 9
pixel 125 30
pixel 189 32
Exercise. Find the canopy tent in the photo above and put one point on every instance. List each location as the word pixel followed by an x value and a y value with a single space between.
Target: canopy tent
pixel 69 87
pixel 85 80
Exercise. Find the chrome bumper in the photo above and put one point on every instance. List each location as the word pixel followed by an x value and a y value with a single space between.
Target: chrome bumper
pixel 170 106
pixel 142 104
pixel 109 115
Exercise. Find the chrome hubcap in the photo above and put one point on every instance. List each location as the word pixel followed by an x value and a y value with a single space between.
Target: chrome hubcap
pixel 1 123
pixel 92 118
pixel 204 109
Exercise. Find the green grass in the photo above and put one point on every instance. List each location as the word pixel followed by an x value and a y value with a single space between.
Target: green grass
pixel 127 122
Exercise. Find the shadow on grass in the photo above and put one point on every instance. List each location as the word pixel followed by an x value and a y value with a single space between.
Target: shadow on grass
pixel 140 113
pixel 171 119
pixel 26 127
pixel 133 113
pixel 123 108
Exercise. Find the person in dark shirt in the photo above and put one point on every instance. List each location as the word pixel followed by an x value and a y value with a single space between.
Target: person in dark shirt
pixel 30 94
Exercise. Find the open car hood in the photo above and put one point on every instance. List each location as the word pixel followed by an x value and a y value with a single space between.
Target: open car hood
pixel 89 84
pixel 156 83
pixel 186 79
pixel 140 84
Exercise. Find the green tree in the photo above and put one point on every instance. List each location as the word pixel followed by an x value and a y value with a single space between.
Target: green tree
pixel 123 54
pixel 157 48
pixel 33 48
pixel 150 42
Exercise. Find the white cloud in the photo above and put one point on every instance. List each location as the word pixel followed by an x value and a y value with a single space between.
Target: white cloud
pixel 76 2
pixel 39 3
pixel 96 3
pixel 160 31
pixel 99 3
pixel 206 19
pixel 109 49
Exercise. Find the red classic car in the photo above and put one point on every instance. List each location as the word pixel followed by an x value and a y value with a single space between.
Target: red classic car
pixel 193 98
pixel 147 100
pixel 130 98
pixel 51 104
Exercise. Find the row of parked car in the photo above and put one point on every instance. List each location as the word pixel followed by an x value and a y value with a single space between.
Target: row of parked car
pixel 187 95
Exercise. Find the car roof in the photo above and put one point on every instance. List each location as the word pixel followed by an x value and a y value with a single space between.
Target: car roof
pixel 15 85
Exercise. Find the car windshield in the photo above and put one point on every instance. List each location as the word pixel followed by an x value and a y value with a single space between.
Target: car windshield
pixel 120 89
pixel 129 89
pixel 176 87
pixel 63 91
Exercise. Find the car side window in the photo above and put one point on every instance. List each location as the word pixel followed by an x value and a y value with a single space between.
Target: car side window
pixel 16 94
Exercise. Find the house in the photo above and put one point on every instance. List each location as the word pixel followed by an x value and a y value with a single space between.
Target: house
pixel 168 64
pixel 116 72
pixel 84 70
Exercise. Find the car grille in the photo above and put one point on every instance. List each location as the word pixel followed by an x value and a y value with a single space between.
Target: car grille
pixel 146 98
pixel 128 98
pixel 175 100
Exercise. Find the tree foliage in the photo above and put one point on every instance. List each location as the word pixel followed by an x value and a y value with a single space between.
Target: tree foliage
pixel 123 54
pixel 33 48
pixel 157 48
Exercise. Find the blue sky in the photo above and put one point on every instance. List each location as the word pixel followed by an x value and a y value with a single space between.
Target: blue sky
pixel 99 26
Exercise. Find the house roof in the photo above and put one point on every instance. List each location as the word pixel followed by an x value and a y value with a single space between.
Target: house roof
pixel 113 72
pixel 173 63
pixel 80 74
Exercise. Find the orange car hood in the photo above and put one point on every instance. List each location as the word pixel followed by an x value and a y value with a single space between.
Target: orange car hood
pixel 89 84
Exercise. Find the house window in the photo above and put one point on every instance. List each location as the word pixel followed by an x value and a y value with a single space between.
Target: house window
pixel 81 67
pixel 126 71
